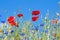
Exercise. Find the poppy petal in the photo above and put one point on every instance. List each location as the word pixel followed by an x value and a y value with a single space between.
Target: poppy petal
pixel 20 15
pixel 34 18
pixel 11 18
pixel 35 12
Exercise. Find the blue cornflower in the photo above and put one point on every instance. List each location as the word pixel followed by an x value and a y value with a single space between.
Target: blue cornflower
pixel 41 24
pixel 12 31
pixel 5 32
pixel 22 34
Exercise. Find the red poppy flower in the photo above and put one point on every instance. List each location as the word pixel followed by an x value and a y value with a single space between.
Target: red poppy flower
pixel 10 19
pixel 54 21
pixel 20 15
pixel 34 18
pixel 35 12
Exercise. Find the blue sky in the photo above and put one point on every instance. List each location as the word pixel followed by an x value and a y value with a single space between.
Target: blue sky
pixel 42 5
